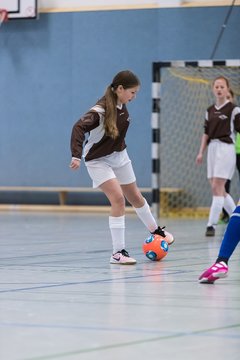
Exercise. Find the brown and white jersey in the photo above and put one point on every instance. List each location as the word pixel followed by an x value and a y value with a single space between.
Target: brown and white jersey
pixel 222 122
pixel 98 144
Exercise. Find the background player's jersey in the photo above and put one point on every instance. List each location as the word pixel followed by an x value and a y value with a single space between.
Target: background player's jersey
pixel 223 122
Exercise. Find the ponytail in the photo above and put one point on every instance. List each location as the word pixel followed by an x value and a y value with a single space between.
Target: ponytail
pixel 128 80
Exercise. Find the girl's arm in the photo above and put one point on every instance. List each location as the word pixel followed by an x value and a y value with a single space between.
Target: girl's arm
pixel 87 123
pixel 203 147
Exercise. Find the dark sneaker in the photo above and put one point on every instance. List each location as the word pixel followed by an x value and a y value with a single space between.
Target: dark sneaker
pixel 122 257
pixel 165 234
pixel 210 231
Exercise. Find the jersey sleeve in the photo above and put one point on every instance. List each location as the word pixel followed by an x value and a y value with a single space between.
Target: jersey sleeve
pixel 83 126
pixel 205 126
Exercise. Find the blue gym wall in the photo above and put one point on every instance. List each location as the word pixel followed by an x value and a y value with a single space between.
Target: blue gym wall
pixel 54 69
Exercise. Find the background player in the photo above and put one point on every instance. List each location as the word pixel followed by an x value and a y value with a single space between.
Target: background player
pixel 221 121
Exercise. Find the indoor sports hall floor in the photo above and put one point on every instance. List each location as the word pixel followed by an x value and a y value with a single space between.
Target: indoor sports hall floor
pixel 61 299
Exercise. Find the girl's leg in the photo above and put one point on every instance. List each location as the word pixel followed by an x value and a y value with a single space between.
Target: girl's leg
pixel 230 240
pixel 231 237
pixel 227 186
pixel 229 204
pixel 225 214
pixel 114 193
pixel 238 164
pixel 140 205
pixel 219 193
pixel 215 210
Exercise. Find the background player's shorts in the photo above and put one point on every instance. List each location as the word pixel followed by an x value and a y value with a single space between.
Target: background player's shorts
pixel 221 160
pixel 116 165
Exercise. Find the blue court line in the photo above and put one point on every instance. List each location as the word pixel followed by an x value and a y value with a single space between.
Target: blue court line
pixel 50 255
pixel 136 342
pixel 99 328
pixel 87 282
pixel 83 328
pixel 24 257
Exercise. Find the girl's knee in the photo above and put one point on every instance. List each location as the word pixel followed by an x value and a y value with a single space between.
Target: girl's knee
pixel 118 200
pixel 137 201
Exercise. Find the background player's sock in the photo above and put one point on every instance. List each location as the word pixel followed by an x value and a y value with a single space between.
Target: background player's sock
pixel 229 205
pixel 215 210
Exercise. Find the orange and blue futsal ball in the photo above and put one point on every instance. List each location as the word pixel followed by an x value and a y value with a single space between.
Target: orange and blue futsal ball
pixel 155 247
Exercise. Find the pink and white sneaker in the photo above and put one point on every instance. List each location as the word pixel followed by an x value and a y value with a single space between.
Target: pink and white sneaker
pixel 215 272
pixel 122 257
pixel 165 234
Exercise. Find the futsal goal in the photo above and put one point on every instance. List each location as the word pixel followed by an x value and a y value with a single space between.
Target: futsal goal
pixel 181 93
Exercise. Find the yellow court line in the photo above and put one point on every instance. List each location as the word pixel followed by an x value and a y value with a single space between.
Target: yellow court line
pixel 204 3
pixel 138 7
pixel 98 8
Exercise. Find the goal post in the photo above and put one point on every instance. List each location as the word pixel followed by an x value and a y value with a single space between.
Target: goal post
pixel 181 93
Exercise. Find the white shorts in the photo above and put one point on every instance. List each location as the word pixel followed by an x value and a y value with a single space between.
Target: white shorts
pixel 221 160
pixel 116 165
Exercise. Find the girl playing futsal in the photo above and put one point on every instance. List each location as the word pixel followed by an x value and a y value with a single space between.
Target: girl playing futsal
pixel 107 160
pixel 230 240
pixel 221 123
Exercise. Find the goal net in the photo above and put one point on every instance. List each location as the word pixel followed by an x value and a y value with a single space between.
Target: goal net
pixel 181 94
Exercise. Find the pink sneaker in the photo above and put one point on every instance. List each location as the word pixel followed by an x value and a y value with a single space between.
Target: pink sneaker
pixel 216 271
pixel 122 257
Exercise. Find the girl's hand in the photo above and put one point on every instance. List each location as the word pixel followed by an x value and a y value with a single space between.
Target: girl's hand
pixel 75 164
pixel 199 159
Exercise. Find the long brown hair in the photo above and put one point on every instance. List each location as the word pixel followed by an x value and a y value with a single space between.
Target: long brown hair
pixel 128 80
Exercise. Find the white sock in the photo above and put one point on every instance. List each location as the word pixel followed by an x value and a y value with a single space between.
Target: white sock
pixel 229 204
pixel 117 228
pixel 215 210
pixel 145 215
